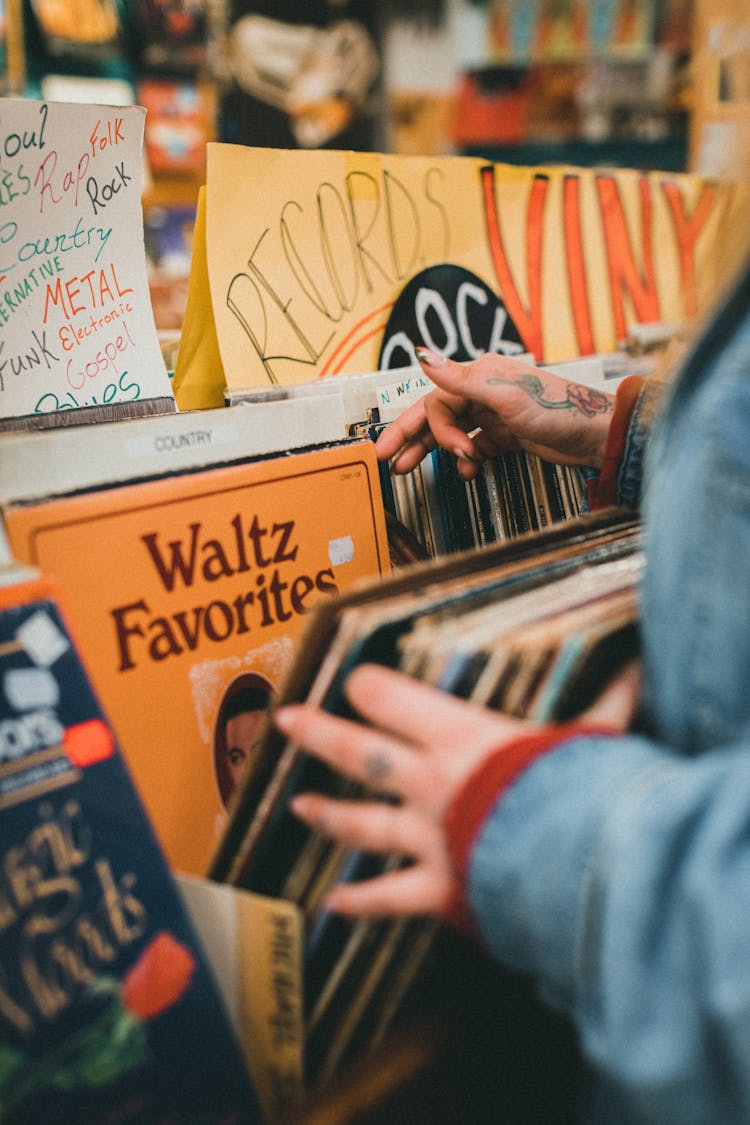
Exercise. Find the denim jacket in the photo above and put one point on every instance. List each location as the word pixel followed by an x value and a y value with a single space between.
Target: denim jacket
pixel 616 870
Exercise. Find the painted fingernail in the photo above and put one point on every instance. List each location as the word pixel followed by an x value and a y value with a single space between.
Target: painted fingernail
pixel 464 456
pixel 429 358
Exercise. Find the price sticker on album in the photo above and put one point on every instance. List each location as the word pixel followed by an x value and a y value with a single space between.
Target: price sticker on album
pixel 341 550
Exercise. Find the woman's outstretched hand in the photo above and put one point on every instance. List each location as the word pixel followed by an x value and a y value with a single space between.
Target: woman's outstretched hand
pixel 417 745
pixel 495 404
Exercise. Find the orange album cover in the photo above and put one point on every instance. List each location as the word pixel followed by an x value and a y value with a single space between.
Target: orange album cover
pixel 186 595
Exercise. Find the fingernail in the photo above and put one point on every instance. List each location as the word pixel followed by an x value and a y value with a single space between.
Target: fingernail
pixel 283 718
pixel 331 902
pixel 429 358
pixel 464 456
pixel 300 806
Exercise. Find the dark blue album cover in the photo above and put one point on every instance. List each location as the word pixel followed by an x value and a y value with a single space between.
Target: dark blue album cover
pixel 107 1009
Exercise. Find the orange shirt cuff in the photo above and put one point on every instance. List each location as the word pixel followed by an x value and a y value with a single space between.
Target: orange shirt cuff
pixel 479 793
pixel 602 492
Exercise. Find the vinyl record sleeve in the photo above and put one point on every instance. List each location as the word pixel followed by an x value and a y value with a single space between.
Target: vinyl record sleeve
pixel 185 588
pixel 108 1007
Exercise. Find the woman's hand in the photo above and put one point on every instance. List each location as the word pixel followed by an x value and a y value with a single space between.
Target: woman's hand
pixel 495 404
pixel 419 747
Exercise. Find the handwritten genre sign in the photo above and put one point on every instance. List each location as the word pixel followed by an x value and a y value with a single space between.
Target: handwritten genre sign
pixel 76 324
pixel 321 263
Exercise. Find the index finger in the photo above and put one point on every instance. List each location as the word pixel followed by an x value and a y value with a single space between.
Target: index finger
pixel 420 714
pixel 409 426
pixel 618 702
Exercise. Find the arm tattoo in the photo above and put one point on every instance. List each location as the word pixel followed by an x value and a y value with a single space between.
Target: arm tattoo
pixel 577 397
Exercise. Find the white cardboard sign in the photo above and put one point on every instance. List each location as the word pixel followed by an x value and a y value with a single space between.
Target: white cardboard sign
pixel 76 322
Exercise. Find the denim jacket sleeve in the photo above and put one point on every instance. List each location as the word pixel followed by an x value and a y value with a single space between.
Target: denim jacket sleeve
pixel 616 869
pixel 617 873
pixel 630 475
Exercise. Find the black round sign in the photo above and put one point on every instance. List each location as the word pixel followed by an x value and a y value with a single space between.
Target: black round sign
pixel 450 310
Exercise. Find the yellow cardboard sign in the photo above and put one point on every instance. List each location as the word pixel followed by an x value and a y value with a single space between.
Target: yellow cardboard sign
pixel 198 382
pixel 326 262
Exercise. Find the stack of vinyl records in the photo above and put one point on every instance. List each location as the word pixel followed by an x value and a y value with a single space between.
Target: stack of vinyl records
pixel 512 494
pixel 534 627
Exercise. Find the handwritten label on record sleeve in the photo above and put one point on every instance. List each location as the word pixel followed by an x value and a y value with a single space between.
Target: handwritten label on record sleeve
pixel 76 323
